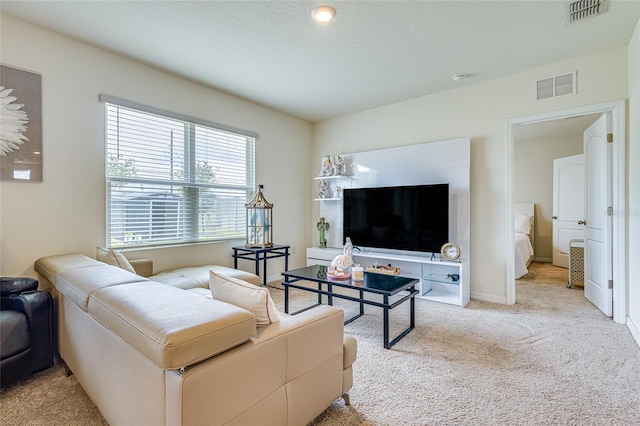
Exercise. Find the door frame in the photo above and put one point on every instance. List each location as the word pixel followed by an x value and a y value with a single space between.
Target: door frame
pixel 619 231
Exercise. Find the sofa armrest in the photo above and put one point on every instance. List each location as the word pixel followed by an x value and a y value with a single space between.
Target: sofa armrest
pixel 350 351
pixel 349 357
pixel 143 267
pixel 295 363
pixel 288 322
pixel 313 336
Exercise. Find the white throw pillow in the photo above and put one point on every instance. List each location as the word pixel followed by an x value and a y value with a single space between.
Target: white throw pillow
pixel 523 224
pixel 244 295
pixel 113 257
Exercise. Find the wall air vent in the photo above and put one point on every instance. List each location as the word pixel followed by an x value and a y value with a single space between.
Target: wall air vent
pixel 558 85
pixel 583 9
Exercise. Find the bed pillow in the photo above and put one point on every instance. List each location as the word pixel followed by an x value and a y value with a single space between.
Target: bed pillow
pixel 523 224
pixel 113 257
pixel 244 295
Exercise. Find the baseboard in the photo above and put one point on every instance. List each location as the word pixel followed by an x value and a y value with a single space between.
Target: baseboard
pixel 489 298
pixel 543 259
pixel 635 332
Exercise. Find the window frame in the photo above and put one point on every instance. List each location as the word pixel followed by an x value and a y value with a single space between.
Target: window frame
pixel 188 217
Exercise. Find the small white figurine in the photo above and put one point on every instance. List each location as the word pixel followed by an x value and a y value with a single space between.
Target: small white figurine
pixel 343 262
pixel 327 167
pixel 338 166
pixel 338 192
pixel 323 187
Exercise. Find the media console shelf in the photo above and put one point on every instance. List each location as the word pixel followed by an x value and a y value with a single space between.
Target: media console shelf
pixel 440 281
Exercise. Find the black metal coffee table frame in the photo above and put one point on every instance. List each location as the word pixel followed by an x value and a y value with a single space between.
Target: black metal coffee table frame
pixel 383 285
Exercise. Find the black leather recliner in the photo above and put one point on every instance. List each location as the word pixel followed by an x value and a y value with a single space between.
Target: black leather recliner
pixel 26 341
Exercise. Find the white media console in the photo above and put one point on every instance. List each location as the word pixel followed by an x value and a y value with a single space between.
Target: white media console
pixel 440 281
pixel 422 164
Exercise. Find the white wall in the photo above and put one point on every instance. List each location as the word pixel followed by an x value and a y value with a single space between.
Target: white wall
pixel 479 111
pixel 66 212
pixel 533 181
pixel 633 167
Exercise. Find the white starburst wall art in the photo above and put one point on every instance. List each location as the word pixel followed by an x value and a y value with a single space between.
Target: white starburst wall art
pixel 20 125
pixel 12 122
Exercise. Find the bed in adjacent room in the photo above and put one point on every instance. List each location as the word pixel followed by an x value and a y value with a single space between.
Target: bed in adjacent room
pixel 524 253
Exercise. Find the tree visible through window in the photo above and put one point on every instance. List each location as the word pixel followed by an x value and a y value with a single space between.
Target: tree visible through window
pixel 171 181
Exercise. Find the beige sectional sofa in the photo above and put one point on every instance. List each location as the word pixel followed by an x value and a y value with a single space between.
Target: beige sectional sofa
pixel 162 351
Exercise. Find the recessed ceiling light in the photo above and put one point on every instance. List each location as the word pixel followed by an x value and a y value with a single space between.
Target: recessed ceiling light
pixel 458 77
pixel 323 14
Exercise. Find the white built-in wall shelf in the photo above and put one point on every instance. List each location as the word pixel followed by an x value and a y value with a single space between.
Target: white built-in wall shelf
pixel 332 177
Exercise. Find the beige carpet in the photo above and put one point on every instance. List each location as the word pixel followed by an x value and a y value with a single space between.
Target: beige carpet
pixel 546 273
pixel 550 359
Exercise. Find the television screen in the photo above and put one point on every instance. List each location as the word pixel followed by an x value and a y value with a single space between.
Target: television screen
pixel 412 218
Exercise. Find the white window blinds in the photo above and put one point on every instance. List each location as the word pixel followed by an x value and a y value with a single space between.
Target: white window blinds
pixel 174 181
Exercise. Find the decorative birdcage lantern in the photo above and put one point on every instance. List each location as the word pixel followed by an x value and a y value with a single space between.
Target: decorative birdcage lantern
pixel 259 221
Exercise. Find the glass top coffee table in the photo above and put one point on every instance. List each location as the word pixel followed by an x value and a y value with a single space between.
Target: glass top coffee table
pixel 380 284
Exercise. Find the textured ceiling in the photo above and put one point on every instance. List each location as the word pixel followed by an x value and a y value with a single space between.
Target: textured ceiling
pixel 374 53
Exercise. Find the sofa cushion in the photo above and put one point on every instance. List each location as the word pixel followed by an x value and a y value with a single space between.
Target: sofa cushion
pixel 172 327
pixel 246 295
pixel 50 266
pixel 198 276
pixel 79 283
pixel 114 258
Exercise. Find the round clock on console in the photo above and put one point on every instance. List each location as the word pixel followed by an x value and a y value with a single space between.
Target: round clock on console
pixel 450 251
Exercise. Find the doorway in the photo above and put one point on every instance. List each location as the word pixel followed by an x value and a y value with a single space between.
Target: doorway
pixel 567 222
pixel 617 110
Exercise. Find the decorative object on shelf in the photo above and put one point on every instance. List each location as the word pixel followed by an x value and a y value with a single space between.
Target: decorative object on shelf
pixel 450 251
pixel 259 221
pixel 323 226
pixel 339 168
pixel 333 178
pixel 341 265
pixel 327 167
pixel 357 273
pixel 323 189
pixel 381 269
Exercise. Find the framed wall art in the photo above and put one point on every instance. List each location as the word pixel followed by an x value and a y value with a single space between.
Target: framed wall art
pixel 21 129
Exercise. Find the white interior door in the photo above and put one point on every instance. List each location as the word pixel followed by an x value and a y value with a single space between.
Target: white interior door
pixel 568 205
pixel 598 284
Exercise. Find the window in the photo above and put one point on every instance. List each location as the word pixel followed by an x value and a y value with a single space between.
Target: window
pixel 172 180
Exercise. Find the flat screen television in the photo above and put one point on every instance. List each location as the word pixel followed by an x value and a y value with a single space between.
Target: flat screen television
pixel 414 218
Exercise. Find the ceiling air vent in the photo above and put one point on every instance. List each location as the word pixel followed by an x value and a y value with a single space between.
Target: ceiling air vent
pixel 558 85
pixel 583 9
